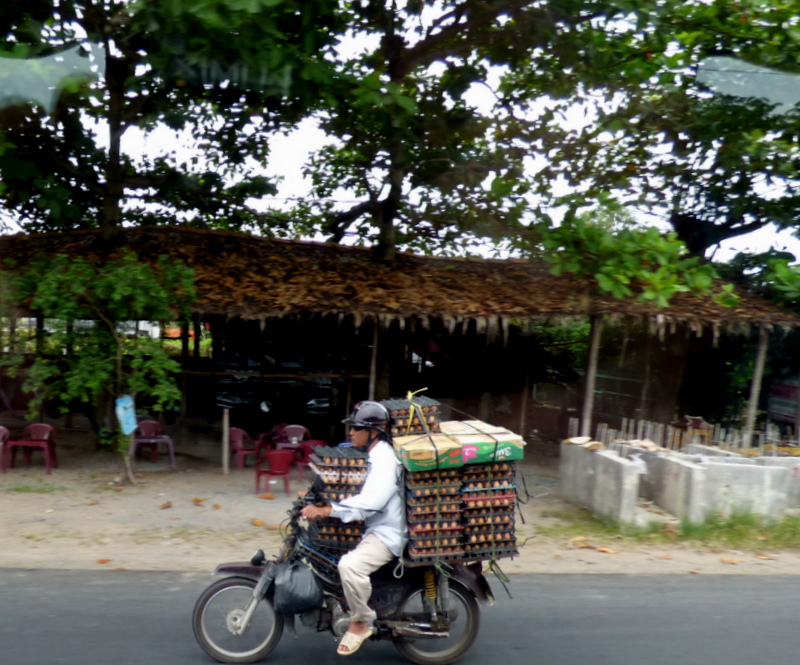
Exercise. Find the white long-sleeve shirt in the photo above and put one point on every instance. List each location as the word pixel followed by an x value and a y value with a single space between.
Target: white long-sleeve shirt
pixel 380 503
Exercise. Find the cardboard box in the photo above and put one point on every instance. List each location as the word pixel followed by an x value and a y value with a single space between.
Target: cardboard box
pixel 482 443
pixel 423 453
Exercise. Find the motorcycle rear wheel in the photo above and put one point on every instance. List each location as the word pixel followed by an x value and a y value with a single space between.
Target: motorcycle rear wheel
pixel 463 630
pixel 219 608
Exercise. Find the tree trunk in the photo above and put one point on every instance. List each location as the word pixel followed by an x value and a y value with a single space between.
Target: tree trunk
pixel 755 387
pixel 591 375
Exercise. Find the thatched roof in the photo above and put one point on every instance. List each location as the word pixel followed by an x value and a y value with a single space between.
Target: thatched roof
pixel 257 278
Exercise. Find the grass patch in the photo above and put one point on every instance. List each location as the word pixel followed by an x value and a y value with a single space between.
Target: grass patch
pixel 36 489
pixel 743 531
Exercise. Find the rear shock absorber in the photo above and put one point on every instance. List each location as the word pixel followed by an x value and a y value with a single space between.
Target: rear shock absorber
pixel 429 581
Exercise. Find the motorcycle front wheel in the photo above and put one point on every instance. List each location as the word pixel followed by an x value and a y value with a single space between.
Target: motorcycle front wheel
pixel 465 622
pixel 218 612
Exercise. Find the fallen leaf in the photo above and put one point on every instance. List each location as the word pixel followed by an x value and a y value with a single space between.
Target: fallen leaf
pixel 120 568
pixel 666 557
pixel 93 502
pixel 174 518
pixel 217 506
pixel 48 511
pixel 584 546
pixel 694 572
pixel 266 495
pixel 198 502
pixel 577 538
pixel 256 522
pixel 732 562
pixel 607 550
pixel 761 537
pixel 759 555
pixel 103 560
pixel 166 505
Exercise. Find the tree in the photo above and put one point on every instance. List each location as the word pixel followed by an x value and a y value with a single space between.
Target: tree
pixel 90 308
pixel 224 73
pixel 655 137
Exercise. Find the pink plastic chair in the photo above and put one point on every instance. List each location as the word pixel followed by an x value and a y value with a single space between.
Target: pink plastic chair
pixel 278 463
pixel 241 445
pixel 151 435
pixel 290 432
pixel 38 436
pixel 303 455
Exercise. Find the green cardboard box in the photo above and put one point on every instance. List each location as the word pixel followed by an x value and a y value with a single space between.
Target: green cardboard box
pixel 482 443
pixel 423 453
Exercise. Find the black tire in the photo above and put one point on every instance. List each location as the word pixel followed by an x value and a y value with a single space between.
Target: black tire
pixel 463 630
pixel 218 606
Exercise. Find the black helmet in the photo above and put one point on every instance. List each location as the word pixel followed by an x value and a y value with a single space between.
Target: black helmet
pixel 369 414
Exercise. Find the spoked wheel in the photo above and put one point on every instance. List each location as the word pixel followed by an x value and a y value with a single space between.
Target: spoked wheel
pixel 465 622
pixel 218 613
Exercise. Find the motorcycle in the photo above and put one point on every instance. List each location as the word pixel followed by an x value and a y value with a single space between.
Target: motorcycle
pixel 429 612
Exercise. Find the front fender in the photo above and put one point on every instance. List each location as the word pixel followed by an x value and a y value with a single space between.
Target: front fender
pixel 471 576
pixel 243 569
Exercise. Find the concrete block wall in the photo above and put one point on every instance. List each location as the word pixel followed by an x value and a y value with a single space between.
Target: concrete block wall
pixel 616 487
pixel 601 481
pixel 687 486
pixel 756 489
pixel 793 483
pixel 678 486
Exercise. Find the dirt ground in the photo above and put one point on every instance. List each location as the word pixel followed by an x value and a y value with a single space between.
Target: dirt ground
pixel 193 517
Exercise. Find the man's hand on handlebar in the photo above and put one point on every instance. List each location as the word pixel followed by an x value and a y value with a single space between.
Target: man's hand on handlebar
pixel 312 513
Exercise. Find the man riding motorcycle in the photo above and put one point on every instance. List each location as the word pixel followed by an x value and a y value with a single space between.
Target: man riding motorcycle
pixel 380 505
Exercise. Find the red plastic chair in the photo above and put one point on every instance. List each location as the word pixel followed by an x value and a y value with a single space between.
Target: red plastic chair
pixel 38 436
pixel 241 445
pixel 151 435
pixel 267 440
pixel 4 436
pixel 279 463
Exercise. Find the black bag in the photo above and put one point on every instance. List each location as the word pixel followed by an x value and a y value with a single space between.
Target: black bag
pixel 297 589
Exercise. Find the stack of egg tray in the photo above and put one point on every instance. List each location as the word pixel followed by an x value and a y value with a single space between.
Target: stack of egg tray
pixel 342 471
pixel 400 410
pixel 433 504
pixel 490 497
pixel 334 537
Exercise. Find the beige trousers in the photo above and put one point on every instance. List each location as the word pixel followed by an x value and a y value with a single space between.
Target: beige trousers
pixel 354 570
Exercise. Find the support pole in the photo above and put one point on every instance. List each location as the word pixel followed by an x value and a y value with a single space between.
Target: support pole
pixel 373 364
pixel 591 374
pixel 755 387
pixel 226 441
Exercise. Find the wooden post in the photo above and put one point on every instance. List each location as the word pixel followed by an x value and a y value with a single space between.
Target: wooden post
pixel 226 442
pixel 373 363
pixel 755 387
pixel 591 375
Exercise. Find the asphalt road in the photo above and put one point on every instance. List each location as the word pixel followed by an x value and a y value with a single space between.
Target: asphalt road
pixel 131 618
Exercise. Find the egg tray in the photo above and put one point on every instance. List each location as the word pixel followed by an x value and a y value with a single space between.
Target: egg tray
pixel 490 485
pixel 328 457
pixel 484 529
pixel 338 475
pixel 399 407
pixel 433 491
pixel 438 475
pixel 475 521
pixel 444 525
pixel 481 550
pixel 431 480
pixel 339 494
pixel 434 553
pixel 329 541
pixel 434 500
pixel 489 499
pixel 436 541
pixel 432 512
